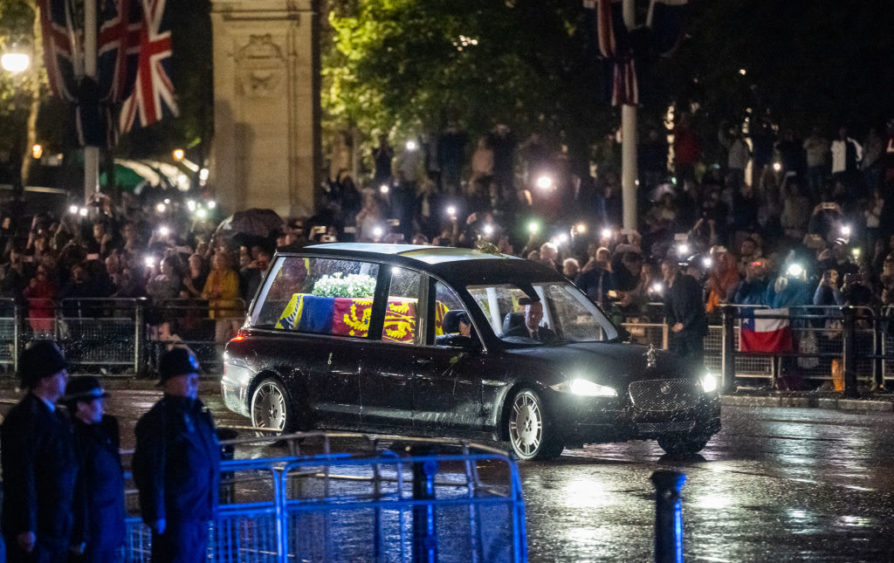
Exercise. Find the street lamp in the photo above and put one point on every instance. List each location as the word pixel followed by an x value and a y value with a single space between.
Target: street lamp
pixel 15 62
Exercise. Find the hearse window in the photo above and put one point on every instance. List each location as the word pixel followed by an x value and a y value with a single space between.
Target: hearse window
pixel 453 325
pixel 402 314
pixel 317 295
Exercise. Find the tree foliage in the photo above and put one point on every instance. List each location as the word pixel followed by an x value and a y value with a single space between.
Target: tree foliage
pixel 401 65
pixel 416 64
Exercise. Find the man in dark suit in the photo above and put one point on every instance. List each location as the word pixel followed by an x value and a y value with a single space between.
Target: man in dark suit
pixel 685 311
pixel 531 328
pixel 101 480
pixel 176 464
pixel 39 463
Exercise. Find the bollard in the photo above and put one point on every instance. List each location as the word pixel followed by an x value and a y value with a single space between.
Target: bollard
pixel 668 516
pixel 425 532
pixel 850 351
pixel 728 349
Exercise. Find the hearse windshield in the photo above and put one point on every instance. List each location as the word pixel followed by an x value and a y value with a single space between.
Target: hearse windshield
pixel 537 314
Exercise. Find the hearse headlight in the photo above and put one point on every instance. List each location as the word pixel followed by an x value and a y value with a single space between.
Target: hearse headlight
pixel 584 388
pixel 710 382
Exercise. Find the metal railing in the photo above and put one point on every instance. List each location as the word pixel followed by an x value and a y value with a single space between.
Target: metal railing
pixel 117 336
pixel 858 340
pixel 419 499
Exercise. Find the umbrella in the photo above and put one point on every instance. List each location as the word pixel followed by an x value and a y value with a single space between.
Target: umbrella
pixel 251 223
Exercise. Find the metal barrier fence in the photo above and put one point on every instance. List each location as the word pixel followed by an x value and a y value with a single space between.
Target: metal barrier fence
pixel 116 336
pixel 418 500
pixel 820 336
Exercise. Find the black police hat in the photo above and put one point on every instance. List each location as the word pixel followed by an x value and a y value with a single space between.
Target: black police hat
pixel 83 388
pixel 177 361
pixel 42 359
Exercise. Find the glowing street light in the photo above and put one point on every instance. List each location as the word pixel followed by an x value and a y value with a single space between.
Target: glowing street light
pixel 36 151
pixel 179 154
pixel 15 62
pixel 411 145
pixel 384 189
pixel 777 166
pixel 544 183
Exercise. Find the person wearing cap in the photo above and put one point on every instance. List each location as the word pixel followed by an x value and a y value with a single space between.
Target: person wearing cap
pixel 101 480
pixel 685 311
pixel 176 464
pixel 40 467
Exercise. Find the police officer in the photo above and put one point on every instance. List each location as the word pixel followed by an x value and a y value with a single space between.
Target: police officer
pixel 39 463
pixel 101 480
pixel 176 464
pixel 685 310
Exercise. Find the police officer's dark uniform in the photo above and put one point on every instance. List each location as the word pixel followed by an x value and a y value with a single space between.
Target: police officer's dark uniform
pixel 685 304
pixel 39 464
pixel 101 480
pixel 176 466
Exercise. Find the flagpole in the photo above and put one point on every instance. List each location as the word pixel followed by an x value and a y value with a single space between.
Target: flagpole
pixel 628 142
pixel 91 153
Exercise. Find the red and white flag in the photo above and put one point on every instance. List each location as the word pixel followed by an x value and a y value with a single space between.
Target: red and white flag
pixel 153 90
pixel 765 330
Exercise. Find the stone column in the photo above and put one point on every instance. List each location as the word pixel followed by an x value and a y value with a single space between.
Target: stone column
pixel 266 149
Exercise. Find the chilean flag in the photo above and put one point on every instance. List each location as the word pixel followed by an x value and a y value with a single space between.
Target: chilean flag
pixel 761 334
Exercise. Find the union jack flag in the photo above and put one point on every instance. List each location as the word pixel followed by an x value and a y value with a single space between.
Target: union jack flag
pixel 118 49
pixel 615 49
pixel 153 89
pixel 93 99
pixel 61 48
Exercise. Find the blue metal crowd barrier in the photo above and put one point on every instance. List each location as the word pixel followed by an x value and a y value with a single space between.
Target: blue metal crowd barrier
pixel 331 506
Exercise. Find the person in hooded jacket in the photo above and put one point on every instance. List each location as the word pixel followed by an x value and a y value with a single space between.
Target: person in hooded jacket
pixel 101 480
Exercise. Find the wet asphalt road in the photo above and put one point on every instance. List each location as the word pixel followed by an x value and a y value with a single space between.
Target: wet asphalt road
pixel 774 485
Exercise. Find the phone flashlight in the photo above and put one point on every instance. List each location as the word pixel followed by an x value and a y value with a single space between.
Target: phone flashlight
pixel 164 230
pixel 150 261
pixel 384 188
pixel 606 233
pixel 488 230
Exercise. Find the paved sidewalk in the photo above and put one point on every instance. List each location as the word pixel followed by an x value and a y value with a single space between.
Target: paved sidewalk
pixel 874 402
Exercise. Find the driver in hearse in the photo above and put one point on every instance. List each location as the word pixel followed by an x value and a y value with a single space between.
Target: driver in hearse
pixel 531 328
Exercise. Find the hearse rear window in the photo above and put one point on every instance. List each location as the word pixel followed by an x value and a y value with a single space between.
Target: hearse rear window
pixel 317 295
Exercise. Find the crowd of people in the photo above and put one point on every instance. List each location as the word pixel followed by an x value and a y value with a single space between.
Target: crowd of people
pixel 779 221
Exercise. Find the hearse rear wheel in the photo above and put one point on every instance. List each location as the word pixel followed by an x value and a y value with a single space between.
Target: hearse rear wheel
pixel 270 408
